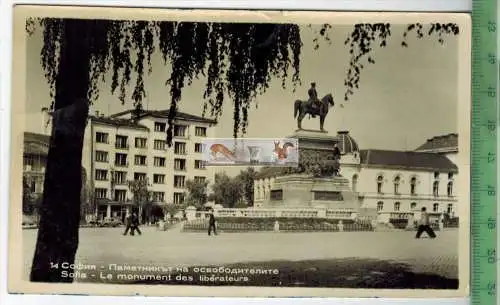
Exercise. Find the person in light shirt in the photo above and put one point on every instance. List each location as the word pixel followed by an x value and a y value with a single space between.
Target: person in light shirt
pixel 424 225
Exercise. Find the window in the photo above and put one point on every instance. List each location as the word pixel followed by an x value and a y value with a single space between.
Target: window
pixel 101 137
pixel 178 198
pixel 380 206
pixel 160 144
pixel 179 131
pixel 159 162
pixel 160 127
pixel 101 193
pixel 449 189
pixel 413 206
pixel 198 147
pixel 413 185
pixel 199 164
pixel 120 177
pixel 121 160
pixel 380 181
pixel 33 186
pixel 141 142
pixel 397 180
pixel 180 164
pixel 436 175
pixel 140 160
pixel 354 182
pixel 121 142
pixel 200 131
pixel 397 206
pixel 101 174
pixel 199 179
pixel 450 176
pixel 179 181
pixel 159 196
pixel 140 176
pixel 449 209
pixel 120 195
pixel 435 207
pixel 158 179
pixel 28 160
pixel 180 148
pixel 435 188
pixel 101 156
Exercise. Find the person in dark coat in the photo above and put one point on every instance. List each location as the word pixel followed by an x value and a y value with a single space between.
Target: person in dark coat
pixel 211 223
pixel 128 224
pixel 424 225
pixel 135 224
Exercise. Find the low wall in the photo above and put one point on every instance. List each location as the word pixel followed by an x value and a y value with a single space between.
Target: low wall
pixel 246 224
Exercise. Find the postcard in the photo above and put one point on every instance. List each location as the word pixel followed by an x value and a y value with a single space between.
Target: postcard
pixel 167 152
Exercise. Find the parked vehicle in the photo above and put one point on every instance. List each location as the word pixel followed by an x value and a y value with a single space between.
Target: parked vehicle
pixel 110 222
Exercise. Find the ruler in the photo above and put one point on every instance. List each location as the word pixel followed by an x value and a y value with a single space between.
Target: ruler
pixel 484 182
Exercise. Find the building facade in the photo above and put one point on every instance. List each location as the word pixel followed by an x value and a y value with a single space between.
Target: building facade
pixel 35 152
pixel 128 147
pixel 394 182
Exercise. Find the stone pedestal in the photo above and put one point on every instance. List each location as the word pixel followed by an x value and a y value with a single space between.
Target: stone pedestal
pixel 191 213
pixel 304 191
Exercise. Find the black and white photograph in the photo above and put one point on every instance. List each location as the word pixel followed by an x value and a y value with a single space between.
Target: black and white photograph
pixel 355 175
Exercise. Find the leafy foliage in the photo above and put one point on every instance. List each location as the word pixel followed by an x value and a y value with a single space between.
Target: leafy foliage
pixel 246 178
pixel 227 191
pixel 197 193
pixel 365 37
pixel 140 191
pixel 238 59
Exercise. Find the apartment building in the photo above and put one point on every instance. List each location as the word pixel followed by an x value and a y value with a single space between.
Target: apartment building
pixel 128 146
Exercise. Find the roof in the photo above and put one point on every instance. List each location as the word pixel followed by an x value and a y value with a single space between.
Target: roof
pixel 440 143
pixel 406 160
pixel 346 143
pixel 164 114
pixel 36 144
pixel 118 122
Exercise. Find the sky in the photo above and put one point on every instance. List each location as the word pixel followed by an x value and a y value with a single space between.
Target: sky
pixel 406 97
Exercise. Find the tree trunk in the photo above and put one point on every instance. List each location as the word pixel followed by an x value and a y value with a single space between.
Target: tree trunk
pixel 57 240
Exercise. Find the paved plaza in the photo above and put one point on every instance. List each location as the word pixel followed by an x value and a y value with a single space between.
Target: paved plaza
pixel 103 246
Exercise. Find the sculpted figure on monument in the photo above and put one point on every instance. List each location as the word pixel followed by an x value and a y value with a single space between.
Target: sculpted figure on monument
pixel 313 99
pixel 313 106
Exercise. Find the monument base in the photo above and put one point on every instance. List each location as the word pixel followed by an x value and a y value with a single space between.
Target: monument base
pixel 305 191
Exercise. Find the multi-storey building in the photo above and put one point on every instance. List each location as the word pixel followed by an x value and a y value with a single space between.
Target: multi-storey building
pixel 36 148
pixel 126 147
pixel 390 181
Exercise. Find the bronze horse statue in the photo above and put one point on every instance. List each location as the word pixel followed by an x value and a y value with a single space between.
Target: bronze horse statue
pixel 302 108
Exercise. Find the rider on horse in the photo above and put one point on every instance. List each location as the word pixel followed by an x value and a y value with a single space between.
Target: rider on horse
pixel 313 98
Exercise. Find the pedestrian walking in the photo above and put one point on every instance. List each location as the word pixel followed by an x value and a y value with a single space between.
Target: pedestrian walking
pixel 135 224
pixel 211 223
pixel 424 225
pixel 128 225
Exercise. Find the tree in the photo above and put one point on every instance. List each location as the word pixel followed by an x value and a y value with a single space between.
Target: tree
pixel 197 193
pixel 227 191
pixel 239 59
pixel 172 209
pixel 142 197
pixel 247 177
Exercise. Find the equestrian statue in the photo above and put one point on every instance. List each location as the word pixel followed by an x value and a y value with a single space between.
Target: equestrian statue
pixel 314 107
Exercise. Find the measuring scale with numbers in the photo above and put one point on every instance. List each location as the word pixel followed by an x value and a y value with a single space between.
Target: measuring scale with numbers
pixel 485 148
